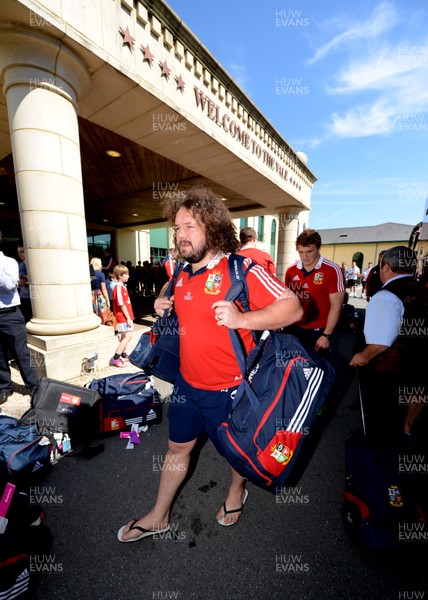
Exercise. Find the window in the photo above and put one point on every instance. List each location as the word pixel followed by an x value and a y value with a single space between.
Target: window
pixel 158 254
pixel 98 242
pixel 272 238
pixel 359 259
pixel 260 229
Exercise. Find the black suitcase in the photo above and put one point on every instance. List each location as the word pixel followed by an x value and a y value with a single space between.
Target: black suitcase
pixel 65 411
pixel 381 504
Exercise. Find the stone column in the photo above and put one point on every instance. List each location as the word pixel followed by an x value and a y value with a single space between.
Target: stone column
pixel 287 233
pixel 42 82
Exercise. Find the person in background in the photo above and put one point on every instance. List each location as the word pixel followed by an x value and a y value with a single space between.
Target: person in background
pixel 320 285
pixel 110 283
pixel 13 335
pixel 108 262
pixel 148 278
pixel 364 276
pixel 248 239
pixel 124 314
pixel 132 281
pixel 139 275
pixel 373 281
pixel 100 297
pixel 24 286
pixel 393 360
pixel 352 280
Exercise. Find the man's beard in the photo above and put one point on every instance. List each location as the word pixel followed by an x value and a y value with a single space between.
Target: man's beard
pixel 194 254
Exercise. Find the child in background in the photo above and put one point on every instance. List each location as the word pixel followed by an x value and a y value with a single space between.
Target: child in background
pixel 124 314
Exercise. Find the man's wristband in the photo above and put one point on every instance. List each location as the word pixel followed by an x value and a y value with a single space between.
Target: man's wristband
pixel 327 335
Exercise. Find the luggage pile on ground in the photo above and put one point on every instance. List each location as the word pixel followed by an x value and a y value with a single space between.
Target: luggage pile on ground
pixel 63 420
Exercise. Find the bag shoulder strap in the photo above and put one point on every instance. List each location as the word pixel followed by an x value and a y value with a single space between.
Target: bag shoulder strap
pixel 171 284
pixel 170 287
pixel 239 291
pixel 238 276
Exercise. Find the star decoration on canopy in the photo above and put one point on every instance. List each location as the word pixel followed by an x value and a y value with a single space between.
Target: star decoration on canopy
pixel 148 56
pixel 166 71
pixel 127 37
pixel 180 83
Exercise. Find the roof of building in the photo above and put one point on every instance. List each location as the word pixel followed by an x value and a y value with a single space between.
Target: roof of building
pixel 385 232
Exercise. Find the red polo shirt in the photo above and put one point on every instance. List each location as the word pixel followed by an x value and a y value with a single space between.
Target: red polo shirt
pixel 120 298
pixel 260 257
pixel 314 289
pixel 207 359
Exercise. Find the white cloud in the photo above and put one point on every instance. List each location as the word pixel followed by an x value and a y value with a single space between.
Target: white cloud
pixel 382 19
pixel 389 78
pixel 364 120
pixel 401 87
pixel 376 72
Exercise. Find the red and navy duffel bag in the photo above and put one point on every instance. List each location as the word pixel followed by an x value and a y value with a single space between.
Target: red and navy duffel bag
pixel 284 389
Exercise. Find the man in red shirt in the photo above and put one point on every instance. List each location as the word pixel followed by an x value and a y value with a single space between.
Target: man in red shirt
pixel 320 285
pixel 248 238
pixel 202 395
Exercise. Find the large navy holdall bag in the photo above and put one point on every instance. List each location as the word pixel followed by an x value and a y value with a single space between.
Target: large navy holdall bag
pixel 127 398
pixel 274 408
pixel 24 453
pixel 380 506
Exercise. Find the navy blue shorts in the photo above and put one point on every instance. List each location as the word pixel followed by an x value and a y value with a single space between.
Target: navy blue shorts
pixel 192 411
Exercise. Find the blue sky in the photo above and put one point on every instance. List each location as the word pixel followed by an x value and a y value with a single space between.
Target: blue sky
pixel 346 83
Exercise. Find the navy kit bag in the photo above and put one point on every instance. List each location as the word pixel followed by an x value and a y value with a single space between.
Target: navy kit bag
pixel 274 408
pixel 126 399
pixel 380 503
pixel 284 388
pixel 24 453
pixel 157 351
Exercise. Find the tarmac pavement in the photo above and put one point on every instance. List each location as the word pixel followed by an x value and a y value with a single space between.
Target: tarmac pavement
pixel 287 546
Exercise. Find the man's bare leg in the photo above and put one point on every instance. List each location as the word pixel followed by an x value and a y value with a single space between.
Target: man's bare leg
pixel 234 499
pixel 174 471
